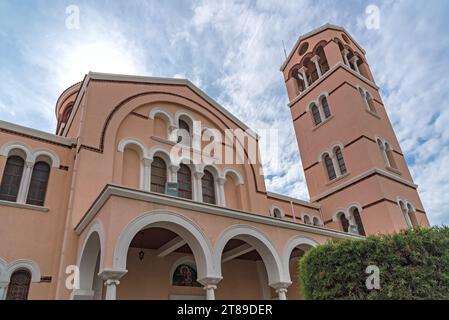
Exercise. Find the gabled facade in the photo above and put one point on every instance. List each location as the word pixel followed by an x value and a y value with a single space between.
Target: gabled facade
pixel 105 209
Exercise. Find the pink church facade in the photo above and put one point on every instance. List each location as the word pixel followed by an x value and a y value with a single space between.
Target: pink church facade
pixel 103 209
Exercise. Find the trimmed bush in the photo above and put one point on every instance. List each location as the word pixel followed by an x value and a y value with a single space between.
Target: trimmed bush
pixel 413 264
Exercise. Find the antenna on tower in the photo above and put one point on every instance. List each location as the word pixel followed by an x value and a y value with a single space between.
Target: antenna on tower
pixel 285 52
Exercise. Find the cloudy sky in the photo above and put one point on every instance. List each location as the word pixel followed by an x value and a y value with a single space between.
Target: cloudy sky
pixel 233 50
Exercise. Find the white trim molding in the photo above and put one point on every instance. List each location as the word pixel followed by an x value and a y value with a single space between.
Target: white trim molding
pixel 129 193
pixel 185 228
pixel 260 242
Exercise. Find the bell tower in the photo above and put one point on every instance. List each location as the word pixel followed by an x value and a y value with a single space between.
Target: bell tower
pixel 353 164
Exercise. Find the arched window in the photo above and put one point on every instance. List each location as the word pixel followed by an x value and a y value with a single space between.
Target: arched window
pixel 344 222
pixel 184 132
pixel 185 276
pixel 412 215
pixel 340 160
pixel 38 184
pixel 307 219
pixel 12 176
pixel 66 114
pixel 316 221
pixel 158 175
pixel 390 156
pixel 208 186
pixel 277 213
pixel 358 221
pixel 184 182
pixel 370 102
pixel 19 285
pixel 409 214
pixel 329 167
pixel 325 105
pixel 316 114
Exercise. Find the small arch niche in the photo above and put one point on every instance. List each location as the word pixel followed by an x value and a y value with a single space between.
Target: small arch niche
pixel 185 275
pixel 303 48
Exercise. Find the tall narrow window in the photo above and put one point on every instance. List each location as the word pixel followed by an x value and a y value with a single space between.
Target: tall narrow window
pixel 316 115
pixel 208 187
pixel 158 175
pixel 12 176
pixel 344 222
pixel 38 184
pixel 326 110
pixel 340 160
pixel 184 132
pixel 390 156
pixel 370 102
pixel 358 221
pixel 329 167
pixel 184 182
pixel 19 285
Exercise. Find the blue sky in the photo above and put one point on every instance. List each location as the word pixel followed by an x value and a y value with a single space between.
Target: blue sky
pixel 233 50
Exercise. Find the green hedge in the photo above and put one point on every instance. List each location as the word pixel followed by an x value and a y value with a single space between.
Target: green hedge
pixel 413 264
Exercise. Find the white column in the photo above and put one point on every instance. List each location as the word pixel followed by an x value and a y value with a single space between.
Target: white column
pixel 345 56
pixel 317 65
pixel 173 173
pixel 354 60
pixel 111 281
pixel 210 291
pixel 221 201
pixel 146 163
pixel 25 183
pixel 197 186
pixel 111 289
pixel 210 285
pixel 304 76
pixel 3 287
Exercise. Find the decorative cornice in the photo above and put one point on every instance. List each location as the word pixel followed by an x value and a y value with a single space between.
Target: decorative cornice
pixel 327 75
pixel 129 193
pixel 314 32
pixel 367 174
pixel 294 200
pixel 92 76
pixel 36 134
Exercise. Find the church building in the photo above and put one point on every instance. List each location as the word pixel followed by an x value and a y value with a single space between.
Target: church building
pixel 128 200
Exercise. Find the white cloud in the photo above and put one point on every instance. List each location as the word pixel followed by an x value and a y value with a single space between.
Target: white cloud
pixel 233 50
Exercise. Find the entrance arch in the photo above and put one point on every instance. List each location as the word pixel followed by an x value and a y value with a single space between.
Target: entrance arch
pixel 161 236
pixel 90 263
pixel 295 248
pixel 243 242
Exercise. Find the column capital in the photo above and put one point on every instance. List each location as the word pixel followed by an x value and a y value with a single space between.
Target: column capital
pixel 147 161
pixel 4 284
pixel 198 174
pixel 113 275
pixel 221 181
pixel 281 286
pixel 315 58
pixel 354 59
pixel 210 281
pixel 303 69
pixel 345 51
pixel 29 164
pixel 173 168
